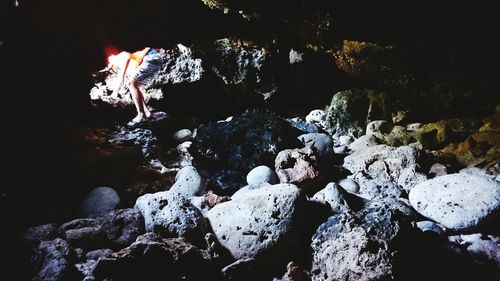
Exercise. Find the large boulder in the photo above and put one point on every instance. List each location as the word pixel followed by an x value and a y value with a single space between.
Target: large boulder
pixel 53 260
pixel 172 216
pixel 387 164
pixel 43 233
pixel 226 151
pixel 122 227
pixel 438 134
pixel 246 66
pixel 262 223
pixel 100 200
pixel 152 256
pixel 188 182
pixel 350 110
pixel 458 201
pixel 261 175
pixel 360 246
pixel 298 166
pixel 85 233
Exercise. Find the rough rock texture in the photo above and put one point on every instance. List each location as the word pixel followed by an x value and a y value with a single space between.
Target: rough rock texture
pixel 359 247
pixel 351 110
pixel 245 64
pixel 188 182
pixel 262 223
pixel 485 249
pixel 293 273
pixel 387 164
pixel 152 256
pixel 100 200
pixel 122 227
pixel 298 166
pixel 53 260
pixel 481 148
pixel 457 201
pixel 172 216
pixel 85 233
pixel 437 135
pixel 349 185
pixel 43 233
pixel 323 143
pixel 334 196
pixel 182 135
pixel 430 226
pixel 261 175
pixel 227 151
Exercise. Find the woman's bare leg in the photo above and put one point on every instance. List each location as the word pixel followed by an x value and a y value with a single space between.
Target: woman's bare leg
pixel 138 98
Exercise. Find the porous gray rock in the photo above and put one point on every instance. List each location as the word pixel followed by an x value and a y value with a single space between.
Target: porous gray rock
pixel 387 164
pixel 323 143
pixel 172 215
pixel 261 175
pixel 227 151
pixel 182 135
pixel 482 248
pixel 370 188
pixel 457 201
pixel 437 169
pixel 53 260
pixel 316 116
pixel 151 256
pixel 122 226
pixel 298 166
pixel 188 182
pixel 359 246
pixel 350 110
pixel 43 233
pixel 379 126
pixel 96 254
pixel 349 185
pixel 100 200
pixel 264 222
pixel 85 233
pixel 430 226
pixel 333 195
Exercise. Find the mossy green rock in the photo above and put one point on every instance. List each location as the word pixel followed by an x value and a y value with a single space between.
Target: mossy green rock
pixel 351 110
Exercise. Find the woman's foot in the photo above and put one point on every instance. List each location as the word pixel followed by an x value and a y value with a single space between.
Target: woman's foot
pixel 137 120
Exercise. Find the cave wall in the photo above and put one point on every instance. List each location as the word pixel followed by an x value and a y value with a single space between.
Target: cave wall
pixel 50 49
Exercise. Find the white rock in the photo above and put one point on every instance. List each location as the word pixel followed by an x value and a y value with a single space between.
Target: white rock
pixel 379 126
pixel 385 163
pixel 363 142
pixel 322 142
pixel 345 140
pixel 430 226
pixel 349 185
pixel 172 215
pixel 182 135
pixel 316 115
pixel 332 195
pixel 340 149
pixel 264 222
pixel 413 126
pixel 261 175
pixel 188 182
pixel 458 201
pixel 295 57
pixel 100 200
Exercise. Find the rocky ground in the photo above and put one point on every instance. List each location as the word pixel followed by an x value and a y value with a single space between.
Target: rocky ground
pixel 352 191
pixel 293 140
